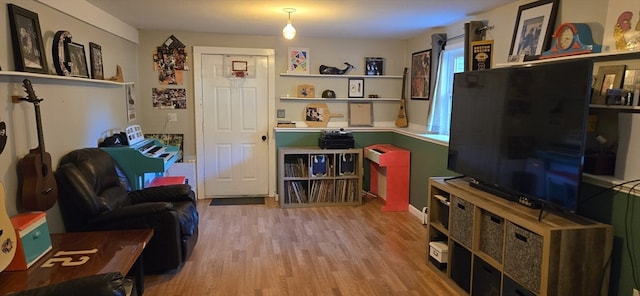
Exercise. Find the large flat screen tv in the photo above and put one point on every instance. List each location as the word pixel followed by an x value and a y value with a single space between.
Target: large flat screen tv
pixel 520 132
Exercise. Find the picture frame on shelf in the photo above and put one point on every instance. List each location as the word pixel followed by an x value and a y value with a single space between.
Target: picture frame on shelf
pixel 77 58
pixel 421 75
pixel 374 66
pixel 631 86
pixel 95 54
pixel 356 88
pixel 533 29
pixel 608 77
pixel 298 60
pixel 28 46
pixel 360 114
pixel 631 79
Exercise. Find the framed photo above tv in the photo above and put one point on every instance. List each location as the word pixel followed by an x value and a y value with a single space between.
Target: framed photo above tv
pixel 533 29
pixel 28 46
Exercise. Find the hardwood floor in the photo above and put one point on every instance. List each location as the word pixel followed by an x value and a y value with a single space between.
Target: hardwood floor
pixel 266 250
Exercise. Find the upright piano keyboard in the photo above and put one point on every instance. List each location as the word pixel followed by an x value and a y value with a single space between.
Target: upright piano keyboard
pixel 143 159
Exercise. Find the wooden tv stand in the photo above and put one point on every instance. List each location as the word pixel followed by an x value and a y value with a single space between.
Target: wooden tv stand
pixel 499 247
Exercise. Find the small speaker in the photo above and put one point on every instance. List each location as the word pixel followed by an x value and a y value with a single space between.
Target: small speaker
pixel 319 165
pixel 346 164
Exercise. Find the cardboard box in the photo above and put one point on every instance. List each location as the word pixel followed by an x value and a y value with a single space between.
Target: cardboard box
pixel 438 254
pixel 34 240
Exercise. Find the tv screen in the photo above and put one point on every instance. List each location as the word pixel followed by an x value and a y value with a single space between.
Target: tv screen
pixel 520 131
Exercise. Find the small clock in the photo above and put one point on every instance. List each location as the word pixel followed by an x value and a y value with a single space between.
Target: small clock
pixel 571 39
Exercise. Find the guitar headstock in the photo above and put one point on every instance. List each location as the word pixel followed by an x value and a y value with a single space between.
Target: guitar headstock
pixel 31 94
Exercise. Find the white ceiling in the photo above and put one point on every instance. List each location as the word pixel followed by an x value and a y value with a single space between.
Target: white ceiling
pixel 396 19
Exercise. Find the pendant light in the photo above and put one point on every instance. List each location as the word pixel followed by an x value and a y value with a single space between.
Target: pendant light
pixel 289 32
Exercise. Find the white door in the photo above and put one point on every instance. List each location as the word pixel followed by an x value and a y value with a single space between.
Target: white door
pixel 235 127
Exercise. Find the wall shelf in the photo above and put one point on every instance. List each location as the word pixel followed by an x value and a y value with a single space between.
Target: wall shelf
pixel 340 99
pixel 600 57
pixel 18 74
pixel 341 76
pixel 616 107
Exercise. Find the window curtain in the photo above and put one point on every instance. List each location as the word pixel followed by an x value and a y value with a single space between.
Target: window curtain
pixel 438 41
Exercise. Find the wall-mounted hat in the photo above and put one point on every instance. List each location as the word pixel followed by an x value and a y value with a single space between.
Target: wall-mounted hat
pixel 328 94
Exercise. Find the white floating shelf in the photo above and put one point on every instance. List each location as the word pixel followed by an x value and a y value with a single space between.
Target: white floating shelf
pixel 61 78
pixel 339 99
pixel 340 76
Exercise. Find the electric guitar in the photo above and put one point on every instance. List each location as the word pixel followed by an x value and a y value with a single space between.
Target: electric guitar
pixel 39 190
pixel 401 120
pixel 8 241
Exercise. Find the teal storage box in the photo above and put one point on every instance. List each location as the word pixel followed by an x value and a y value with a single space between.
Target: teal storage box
pixel 34 240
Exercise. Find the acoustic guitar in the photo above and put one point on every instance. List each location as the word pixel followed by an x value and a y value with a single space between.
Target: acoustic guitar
pixel 8 241
pixel 39 190
pixel 401 120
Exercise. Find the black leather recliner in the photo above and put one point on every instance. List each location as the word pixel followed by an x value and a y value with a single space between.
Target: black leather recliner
pixel 94 194
pixel 106 284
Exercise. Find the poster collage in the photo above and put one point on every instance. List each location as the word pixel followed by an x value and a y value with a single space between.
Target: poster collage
pixel 170 61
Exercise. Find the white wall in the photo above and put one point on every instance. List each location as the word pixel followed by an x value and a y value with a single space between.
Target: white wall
pixel 592 12
pixel 331 52
pixel 74 114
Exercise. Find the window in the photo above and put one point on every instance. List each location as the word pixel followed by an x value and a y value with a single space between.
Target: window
pixel 451 61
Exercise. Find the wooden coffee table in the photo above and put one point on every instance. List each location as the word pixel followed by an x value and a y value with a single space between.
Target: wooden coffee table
pixel 80 254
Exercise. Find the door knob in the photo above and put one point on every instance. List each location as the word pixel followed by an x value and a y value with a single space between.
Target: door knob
pixel 264 138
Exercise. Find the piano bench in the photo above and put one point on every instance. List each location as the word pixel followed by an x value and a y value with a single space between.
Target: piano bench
pixel 167 180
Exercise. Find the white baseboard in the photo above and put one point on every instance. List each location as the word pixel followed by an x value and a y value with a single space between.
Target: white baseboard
pixel 417 213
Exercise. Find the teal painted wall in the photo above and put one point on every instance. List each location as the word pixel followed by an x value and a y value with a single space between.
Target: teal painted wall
pixel 427 160
pixel 620 209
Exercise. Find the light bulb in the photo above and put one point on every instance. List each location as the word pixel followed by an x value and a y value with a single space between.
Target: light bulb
pixel 289 32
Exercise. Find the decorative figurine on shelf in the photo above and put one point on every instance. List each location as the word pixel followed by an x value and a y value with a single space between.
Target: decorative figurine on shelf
pixel 334 70
pixel 119 76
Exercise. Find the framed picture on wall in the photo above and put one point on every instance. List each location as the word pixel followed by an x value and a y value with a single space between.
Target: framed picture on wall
pixel 298 60
pixel 28 46
pixel 421 75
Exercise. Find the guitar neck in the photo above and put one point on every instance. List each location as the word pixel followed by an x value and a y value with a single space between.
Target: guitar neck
pixel 404 81
pixel 39 126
